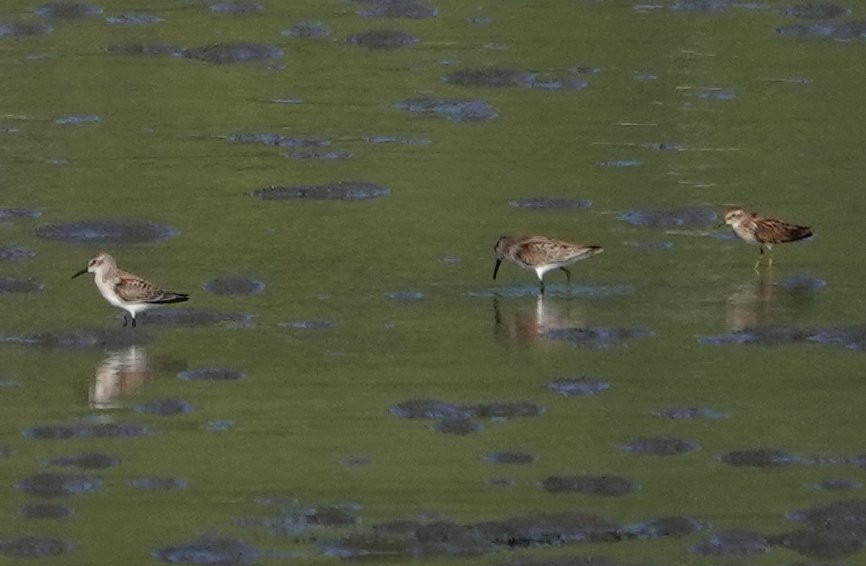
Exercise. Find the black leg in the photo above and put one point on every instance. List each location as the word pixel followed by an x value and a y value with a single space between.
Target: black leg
pixel 542 287
pixel 125 320
pixel 133 322
pixel 567 274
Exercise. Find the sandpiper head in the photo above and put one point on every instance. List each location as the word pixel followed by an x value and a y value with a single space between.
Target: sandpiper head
pixel 734 216
pixel 501 245
pixel 98 262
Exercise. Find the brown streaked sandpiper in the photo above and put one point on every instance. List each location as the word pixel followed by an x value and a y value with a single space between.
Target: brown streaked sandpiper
pixel 541 254
pixel 763 232
pixel 125 290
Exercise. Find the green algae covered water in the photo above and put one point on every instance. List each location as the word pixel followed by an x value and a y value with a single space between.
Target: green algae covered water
pixel 327 180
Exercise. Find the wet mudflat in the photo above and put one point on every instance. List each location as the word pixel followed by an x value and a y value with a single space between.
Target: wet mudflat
pixel 348 384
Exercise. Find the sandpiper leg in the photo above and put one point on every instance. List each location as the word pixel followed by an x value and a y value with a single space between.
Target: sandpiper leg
pixel 567 274
pixel 541 289
pixel 125 320
pixel 133 322
pixel 760 258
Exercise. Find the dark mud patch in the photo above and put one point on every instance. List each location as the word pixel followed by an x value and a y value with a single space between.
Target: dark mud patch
pixel 157 484
pixel 509 458
pixel 87 461
pixel 226 53
pixel 761 458
pixel 294 519
pixel 234 285
pixel 105 232
pixel 380 139
pixel 596 337
pixel 222 551
pixel 690 413
pixel 500 77
pixel 838 31
pixel 621 163
pixel 490 77
pixel 814 11
pixel 96 430
pixel 733 542
pixel 801 283
pixel 442 538
pixel 79 339
pixel 851 337
pixel 382 39
pixel 56 485
pixel 341 190
pixel 688 216
pixel 660 445
pixel 665 527
pixel 277 140
pixel 7 213
pixel 505 411
pixel 34 547
pixel 836 484
pixel 76 120
pixel 428 409
pixel 23 29
pixel 211 374
pixel 133 20
pixel 404 296
pixel 821 543
pixel 219 425
pixel 401 9
pixel 318 155
pixel 236 8
pixel 355 461
pixel 833 530
pixel 764 335
pixel 13 285
pixel 15 253
pixel 45 511
pixel 663 245
pixel 168 49
pixel 716 94
pixel 452 109
pixel 67 10
pixel 164 407
pixel 577 386
pixel 307 30
pixel 701 5
pixel 590 485
pixel 569 560
pixel 550 203
pixel 456 426
pixel 310 324
pixel 195 317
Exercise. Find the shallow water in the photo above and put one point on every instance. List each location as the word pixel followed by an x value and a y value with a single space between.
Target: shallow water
pixel 327 179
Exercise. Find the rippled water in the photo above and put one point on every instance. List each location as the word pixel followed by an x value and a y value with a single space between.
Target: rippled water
pixel 327 179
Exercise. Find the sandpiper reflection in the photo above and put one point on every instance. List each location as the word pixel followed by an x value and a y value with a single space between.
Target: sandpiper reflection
pixel 120 373
pixel 523 322
pixel 763 302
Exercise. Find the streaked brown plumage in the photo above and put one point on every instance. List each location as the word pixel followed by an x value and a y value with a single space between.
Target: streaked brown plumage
pixel 764 232
pixel 541 254
pixel 125 290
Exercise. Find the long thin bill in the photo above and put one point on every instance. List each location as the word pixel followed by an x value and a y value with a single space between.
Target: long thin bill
pixel 496 268
pixel 82 272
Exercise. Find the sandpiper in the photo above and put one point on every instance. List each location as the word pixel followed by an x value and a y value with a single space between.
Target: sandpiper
pixel 125 290
pixel 764 232
pixel 541 254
